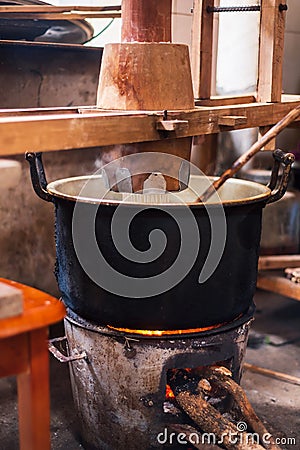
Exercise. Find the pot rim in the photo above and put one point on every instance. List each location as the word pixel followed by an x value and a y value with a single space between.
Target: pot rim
pixel 53 190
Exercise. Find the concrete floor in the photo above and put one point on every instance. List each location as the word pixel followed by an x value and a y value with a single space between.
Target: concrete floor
pixel 277 403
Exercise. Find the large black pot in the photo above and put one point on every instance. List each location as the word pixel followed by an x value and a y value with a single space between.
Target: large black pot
pixel 223 297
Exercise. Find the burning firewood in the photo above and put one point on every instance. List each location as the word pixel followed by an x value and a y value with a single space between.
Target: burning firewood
pixel 190 392
pixel 221 377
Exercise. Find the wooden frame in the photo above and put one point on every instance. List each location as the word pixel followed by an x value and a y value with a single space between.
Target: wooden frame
pixel 53 129
pixel 271 42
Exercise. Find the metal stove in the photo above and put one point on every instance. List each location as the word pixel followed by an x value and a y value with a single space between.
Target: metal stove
pixel 119 382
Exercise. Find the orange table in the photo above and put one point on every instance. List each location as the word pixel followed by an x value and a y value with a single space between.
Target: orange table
pixel 24 352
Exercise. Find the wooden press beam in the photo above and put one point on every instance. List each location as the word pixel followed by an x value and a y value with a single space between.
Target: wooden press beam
pixel 53 132
pixel 146 21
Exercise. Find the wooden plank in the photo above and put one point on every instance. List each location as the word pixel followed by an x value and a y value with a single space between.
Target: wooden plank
pixel 272 26
pixel 38 111
pixel 61 16
pixel 213 102
pixel 278 262
pixel 68 131
pixel 278 285
pixel 11 301
pixel 55 9
pixel 225 100
pixel 50 45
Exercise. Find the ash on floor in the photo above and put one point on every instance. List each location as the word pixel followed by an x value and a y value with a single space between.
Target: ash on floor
pixel 274 344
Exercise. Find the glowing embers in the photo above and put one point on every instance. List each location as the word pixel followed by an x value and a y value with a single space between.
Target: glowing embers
pixel 189 379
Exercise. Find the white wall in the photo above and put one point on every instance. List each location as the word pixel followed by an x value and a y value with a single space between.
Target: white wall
pixel 291 69
pixel 237 50
pixel 182 21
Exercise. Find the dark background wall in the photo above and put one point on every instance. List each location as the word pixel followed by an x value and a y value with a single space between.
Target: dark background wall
pixel 41 75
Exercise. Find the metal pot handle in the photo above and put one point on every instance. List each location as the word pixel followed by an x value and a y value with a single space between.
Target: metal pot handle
pixel 38 177
pixel 59 355
pixel 286 159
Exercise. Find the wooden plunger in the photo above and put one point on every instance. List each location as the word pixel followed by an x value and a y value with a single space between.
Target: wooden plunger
pixel 146 72
pixel 146 20
pixel 255 148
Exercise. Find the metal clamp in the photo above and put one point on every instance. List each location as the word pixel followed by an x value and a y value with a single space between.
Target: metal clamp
pixel 286 159
pixel 57 353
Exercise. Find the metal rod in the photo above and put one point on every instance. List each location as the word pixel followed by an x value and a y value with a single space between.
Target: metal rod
pixel 220 9
pixel 250 8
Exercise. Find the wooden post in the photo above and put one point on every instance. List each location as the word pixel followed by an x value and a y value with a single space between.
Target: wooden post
pixel 270 146
pixel 33 394
pixel 204 152
pixel 272 26
pixel 146 21
pixel 202 48
pixel 203 66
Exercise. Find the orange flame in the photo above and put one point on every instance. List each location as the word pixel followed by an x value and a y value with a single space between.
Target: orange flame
pixel 158 333
pixel 169 393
